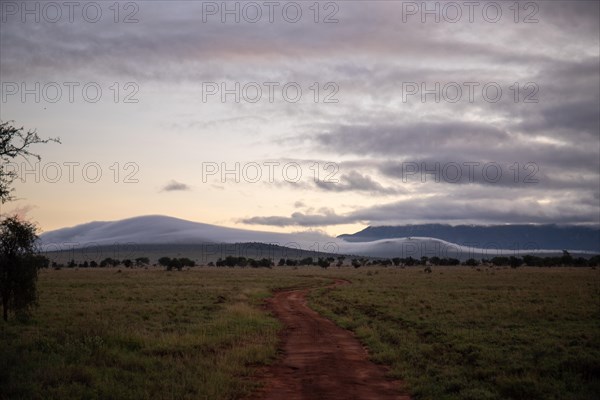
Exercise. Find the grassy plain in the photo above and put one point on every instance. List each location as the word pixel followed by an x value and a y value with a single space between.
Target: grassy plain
pixel 455 333
pixel 143 334
pixel 461 333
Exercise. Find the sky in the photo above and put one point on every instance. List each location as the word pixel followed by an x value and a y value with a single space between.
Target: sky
pixel 294 116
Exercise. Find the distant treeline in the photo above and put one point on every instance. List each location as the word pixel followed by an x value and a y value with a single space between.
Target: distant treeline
pixel 107 262
pixel 325 262
pixel 231 261
pixel 528 260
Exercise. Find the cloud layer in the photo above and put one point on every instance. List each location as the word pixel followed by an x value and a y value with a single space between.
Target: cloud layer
pixel 475 121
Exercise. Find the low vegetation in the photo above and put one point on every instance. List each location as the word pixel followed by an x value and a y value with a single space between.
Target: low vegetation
pixel 480 332
pixel 477 333
pixel 143 334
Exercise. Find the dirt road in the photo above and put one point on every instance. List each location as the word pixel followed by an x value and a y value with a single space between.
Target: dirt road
pixel 320 360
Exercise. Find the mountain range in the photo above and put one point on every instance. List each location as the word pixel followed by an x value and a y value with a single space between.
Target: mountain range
pixel 551 237
pixel 460 242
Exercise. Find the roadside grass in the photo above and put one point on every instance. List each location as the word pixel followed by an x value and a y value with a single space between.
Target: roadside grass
pixel 460 333
pixel 143 334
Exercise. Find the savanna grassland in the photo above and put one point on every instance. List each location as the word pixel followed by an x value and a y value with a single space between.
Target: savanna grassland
pixel 455 333
pixel 143 334
pixel 461 333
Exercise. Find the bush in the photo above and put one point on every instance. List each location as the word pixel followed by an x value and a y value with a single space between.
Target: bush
pixel 471 262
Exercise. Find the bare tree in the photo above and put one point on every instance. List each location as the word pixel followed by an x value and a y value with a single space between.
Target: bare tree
pixel 15 142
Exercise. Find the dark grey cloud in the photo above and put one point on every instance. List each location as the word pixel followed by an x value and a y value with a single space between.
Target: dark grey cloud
pixel 356 182
pixel 298 219
pixel 174 186
pixel 526 175
pixel 412 138
pixel 450 140
pixel 448 209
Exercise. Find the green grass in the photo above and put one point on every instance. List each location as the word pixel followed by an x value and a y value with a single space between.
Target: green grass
pixel 456 333
pixel 142 334
pixel 459 333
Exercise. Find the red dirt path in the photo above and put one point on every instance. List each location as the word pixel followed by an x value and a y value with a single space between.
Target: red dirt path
pixel 321 361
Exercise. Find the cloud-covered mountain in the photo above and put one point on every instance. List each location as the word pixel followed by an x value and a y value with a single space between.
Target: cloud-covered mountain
pixel 428 240
pixel 553 237
pixel 158 229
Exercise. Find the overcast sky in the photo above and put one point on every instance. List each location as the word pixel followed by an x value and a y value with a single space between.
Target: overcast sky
pixel 291 116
